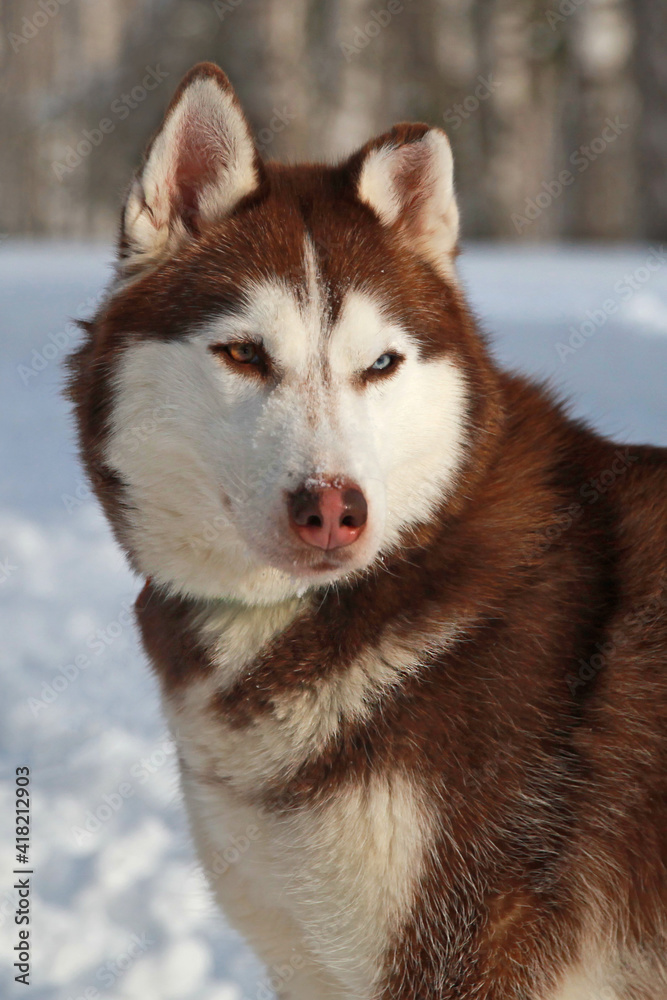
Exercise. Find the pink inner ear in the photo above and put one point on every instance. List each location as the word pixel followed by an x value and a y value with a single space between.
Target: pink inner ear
pixel 198 165
pixel 412 180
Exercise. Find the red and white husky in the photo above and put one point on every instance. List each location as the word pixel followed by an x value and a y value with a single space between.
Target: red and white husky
pixel 414 658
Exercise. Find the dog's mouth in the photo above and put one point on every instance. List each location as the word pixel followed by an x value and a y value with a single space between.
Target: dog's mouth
pixel 311 565
pixel 324 566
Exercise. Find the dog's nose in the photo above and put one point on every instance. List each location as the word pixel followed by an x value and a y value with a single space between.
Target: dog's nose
pixel 328 516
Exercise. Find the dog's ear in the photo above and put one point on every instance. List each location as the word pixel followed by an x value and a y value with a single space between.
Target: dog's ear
pixel 197 168
pixel 407 178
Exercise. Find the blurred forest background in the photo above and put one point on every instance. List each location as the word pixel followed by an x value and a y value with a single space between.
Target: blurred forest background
pixel 556 109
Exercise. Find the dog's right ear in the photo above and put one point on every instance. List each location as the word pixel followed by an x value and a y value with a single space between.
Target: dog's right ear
pixel 407 178
pixel 198 167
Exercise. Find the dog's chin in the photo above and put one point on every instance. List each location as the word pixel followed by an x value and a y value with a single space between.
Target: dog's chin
pixel 310 568
pixel 323 569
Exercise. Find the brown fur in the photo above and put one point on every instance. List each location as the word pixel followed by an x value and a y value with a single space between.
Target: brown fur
pixel 548 766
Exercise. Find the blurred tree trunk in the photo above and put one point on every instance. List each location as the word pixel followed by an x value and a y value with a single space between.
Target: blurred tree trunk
pixel 601 201
pixel 283 30
pixel 354 97
pixel 520 124
pixel 651 73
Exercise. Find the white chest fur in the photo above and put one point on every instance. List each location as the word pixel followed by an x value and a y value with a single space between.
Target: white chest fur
pixel 320 890
pixel 317 889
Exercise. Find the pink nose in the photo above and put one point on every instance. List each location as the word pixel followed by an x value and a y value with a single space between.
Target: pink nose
pixel 328 517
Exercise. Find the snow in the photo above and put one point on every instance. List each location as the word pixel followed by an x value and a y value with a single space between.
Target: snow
pixel 119 906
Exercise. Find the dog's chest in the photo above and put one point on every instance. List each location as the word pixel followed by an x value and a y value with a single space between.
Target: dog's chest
pixel 328 884
pixel 337 875
pixel 257 745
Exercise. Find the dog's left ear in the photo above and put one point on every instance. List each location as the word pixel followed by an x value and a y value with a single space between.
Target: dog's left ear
pixel 407 178
pixel 198 167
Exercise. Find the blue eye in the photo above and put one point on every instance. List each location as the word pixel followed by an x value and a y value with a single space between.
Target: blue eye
pixel 385 364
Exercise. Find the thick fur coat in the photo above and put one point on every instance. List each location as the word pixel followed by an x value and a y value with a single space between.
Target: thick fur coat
pixel 430 761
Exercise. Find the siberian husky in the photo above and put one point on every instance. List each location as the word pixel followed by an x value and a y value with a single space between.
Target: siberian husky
pixel 409 619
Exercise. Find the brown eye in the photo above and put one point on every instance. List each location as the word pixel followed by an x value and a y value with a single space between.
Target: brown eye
pixel 243 354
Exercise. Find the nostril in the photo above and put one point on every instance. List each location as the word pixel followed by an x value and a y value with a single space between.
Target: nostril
pixel 355 512
pixel 304 509
pixel 328 516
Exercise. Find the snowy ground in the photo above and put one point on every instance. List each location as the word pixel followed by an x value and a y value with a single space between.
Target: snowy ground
pixel 119 910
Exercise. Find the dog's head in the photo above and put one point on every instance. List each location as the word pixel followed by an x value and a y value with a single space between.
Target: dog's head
pixel 283 383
